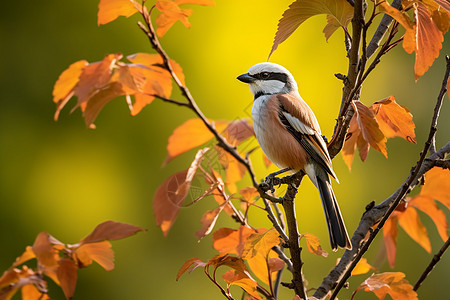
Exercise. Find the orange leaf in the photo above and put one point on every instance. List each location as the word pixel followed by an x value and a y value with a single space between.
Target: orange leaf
pixel 369 127
pixel 261 243
pixel 185 186
pixel 276 264
pixel 30 292
pixel 227 240
pixel 257 251
pixel 67 276
pixel 409 40
pixel 339 13
pixel 390 232
pixel 313 244
pixel 109 10
pixel 111 230
pixel 437 185
pixel 362 267
pixel 221 197
pixel 234 170
pixel 428 206
pixel 46 254
pixel 171 13
pixel 238 131
pixel 168 200
pixel 26 256
pixel 394 119
pixel 100 252
pixel 208 220
pixel 249 193
pixel 232 277
pixel 348 151
pixel 259 264
pixel 429 40
pixel 410 222
pixel 392 283
pixel 96 102
pixel 189 135
pixel 267 161
pixel 198 2
pixel 63 89
pixel 226 260
pixel 190 265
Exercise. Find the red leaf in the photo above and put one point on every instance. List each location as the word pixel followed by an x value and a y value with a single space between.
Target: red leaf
pixel 168 200
pixel 190 265
pixel 111 230
pixel 208 220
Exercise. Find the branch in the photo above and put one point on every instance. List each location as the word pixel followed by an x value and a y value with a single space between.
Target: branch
pixel 431 265
pixel 386 21
pixel 350 82
pixel 380 213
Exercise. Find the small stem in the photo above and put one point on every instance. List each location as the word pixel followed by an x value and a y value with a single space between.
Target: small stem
pixel 431 265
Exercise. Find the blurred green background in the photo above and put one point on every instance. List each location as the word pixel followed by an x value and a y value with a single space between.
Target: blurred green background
pixel 63 178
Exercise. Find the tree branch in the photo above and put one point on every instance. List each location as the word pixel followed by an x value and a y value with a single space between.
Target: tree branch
pixel 350 82
pixel 380 213
pixel 386 21
pixel 431 265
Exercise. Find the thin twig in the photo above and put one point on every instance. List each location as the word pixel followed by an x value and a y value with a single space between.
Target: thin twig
pixel 431 265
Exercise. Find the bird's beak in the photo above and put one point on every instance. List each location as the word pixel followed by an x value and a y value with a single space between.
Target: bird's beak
pixel 246 78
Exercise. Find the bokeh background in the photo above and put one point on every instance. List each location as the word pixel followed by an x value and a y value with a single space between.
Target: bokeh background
pixel 63 178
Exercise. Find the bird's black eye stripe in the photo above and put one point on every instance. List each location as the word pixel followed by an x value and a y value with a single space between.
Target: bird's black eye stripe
pixel 271 76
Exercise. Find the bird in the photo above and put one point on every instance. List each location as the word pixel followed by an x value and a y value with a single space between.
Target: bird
pixel 289 135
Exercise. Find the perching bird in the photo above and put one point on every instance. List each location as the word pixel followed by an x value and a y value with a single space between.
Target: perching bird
pixel 289 134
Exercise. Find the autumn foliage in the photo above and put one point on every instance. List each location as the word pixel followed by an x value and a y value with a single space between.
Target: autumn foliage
pixel 248 257
pixel 60 262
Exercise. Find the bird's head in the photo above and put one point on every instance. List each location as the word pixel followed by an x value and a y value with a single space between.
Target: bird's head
pixel 269 78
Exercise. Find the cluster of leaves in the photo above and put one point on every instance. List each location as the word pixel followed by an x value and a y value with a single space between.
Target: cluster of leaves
pixel 371 126
pixel 436 187
pixel 424 28
pixel 60 261
pixel 242 247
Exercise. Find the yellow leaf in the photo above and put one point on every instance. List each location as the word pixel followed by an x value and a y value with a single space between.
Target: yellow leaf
pixel 362 267
pixel 233 277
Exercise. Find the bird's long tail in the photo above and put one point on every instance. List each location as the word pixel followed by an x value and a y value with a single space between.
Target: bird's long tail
pixel 335 222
